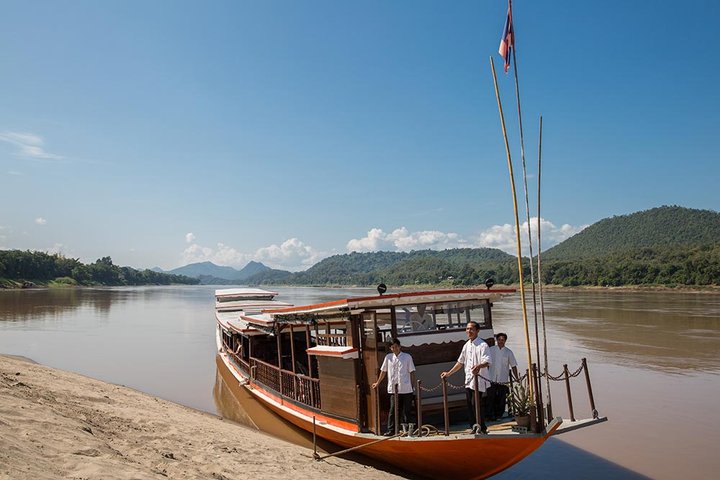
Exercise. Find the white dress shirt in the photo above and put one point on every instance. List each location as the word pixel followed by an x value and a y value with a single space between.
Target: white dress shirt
pixel 474 353
pixel 398 369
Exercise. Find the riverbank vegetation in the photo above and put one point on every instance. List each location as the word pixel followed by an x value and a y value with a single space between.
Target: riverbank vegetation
pixel 20 268
pixel 664 246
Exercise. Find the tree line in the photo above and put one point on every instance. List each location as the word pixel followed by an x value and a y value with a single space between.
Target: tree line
pixel 43 268
pixel 666 265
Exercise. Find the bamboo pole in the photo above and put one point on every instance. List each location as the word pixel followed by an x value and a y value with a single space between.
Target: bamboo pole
pixel 527 216
pixel 539 277
pixel 517 229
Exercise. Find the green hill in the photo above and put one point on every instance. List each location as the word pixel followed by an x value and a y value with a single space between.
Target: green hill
pixel 660 246
pixel 661 227
pixel 458 266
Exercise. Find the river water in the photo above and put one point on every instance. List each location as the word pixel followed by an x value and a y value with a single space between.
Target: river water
pixel 654 360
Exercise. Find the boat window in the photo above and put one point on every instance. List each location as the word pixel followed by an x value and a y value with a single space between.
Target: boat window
pixel 429 317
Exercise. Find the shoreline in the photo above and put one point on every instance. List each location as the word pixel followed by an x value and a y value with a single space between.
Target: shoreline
pixel 59 424
pixel 705 289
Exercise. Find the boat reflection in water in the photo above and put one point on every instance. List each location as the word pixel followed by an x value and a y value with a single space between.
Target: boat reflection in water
pixel 237 404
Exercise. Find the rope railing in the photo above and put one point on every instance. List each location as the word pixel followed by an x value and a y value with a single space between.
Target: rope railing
pixel 565 376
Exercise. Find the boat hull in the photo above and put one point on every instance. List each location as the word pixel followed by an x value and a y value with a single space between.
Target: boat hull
pixel 460 456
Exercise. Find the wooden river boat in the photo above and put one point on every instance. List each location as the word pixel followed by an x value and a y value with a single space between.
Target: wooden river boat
pixel 314 366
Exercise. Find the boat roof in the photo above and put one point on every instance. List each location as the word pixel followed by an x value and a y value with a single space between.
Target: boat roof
pixel 389 300
pixel 244 292
pixel 249 305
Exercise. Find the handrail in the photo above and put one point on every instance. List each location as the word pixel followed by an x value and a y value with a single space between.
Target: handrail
pixel 295 386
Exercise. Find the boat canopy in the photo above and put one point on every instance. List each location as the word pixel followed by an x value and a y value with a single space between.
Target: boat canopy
pixel 308 313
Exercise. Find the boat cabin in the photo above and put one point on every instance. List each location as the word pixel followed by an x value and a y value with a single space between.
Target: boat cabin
pixel 325 357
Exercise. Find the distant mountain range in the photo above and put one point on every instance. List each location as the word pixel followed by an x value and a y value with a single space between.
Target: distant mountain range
pixel 665 245
pixel 210 274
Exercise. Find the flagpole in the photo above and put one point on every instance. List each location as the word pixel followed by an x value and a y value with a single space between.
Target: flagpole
pixel 531 380
pixel 527 212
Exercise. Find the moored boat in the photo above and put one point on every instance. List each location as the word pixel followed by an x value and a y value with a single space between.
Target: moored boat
pixel 315 365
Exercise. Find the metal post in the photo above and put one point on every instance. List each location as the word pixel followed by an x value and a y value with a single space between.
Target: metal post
pixel 538 396
pixel 478 413
pixel 569 395
pixel 377 410
pixel 446 412
pixel 307 347
pixel 397 410
pixel 357 409
pixel 549 404
pixel 315 454
pixel 589 387
pixel 418 403
pixel 512 396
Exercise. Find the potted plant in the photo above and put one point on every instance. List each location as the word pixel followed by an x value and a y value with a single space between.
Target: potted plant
pixel 520 401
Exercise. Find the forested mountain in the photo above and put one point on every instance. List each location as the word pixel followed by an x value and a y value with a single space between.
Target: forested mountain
pixel 463 266
pixel 25 267
pixel 656 228
pixel 661 246
pixel 207 269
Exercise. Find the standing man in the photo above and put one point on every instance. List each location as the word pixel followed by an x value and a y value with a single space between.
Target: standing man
pixel 503 359
pixel 476 359
pixel 400 369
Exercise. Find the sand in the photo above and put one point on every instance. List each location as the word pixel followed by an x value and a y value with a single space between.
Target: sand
pixel 57 424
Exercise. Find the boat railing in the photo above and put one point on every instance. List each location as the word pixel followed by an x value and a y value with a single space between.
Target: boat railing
pixel 295 386
pixel 244 364
pixel 240 361
pixel 332 339
pixel 265 373
pixel 300 388
pixel 539 422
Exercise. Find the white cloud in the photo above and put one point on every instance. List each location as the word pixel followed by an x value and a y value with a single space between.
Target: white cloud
pixel 292 255
pixel 40 221
pixel 497 236
pixel 28 145
pixel 14 173
pixel 503 236
pixel 189 237
pixel 402 240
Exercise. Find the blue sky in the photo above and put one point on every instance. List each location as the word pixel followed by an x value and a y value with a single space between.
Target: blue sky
pixel 167 132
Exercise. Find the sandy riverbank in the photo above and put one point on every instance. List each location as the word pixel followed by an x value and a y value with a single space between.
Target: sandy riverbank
pixel 56 424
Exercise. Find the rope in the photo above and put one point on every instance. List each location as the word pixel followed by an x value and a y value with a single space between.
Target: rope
pixel 462 387
pixel 562 376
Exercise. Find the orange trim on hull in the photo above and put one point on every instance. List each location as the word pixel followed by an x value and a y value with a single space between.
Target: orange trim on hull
pixel 435 457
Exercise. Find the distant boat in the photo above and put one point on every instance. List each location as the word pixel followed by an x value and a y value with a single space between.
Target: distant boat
pixel 314 366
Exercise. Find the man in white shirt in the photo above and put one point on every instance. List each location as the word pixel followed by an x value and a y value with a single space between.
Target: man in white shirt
pixel 503 359
pixel 400 370
pixel 476 359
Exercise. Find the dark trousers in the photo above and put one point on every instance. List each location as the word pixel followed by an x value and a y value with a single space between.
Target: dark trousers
pixel 406 410
pixel 497 396
pixel 470 397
